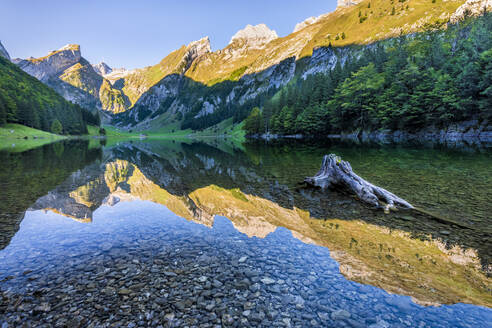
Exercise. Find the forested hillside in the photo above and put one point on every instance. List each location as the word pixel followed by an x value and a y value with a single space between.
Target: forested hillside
pixel 408 83
pixel 25 100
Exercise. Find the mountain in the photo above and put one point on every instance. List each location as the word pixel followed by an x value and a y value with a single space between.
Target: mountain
pixel 3 51
pixel 193 87
pixel 73 77
pixel 102 69
pixel 51 65
pixel 429 85
pixel 137 82
pixel 25 100
pixel 257 62
pixel 99 87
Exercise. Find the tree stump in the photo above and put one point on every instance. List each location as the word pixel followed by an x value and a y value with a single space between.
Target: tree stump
pixel 337 174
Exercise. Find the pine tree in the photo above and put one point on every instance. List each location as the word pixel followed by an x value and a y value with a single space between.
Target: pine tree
pixel 254 123
pixel 56 127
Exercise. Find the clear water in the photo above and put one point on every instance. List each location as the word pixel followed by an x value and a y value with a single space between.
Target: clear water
pixel 193 234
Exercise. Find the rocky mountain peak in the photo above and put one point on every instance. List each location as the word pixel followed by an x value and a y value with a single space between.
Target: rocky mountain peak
pixel 200 47
pixel 52 64
pixel 102 69
pixel 70 47
pixel 471 8
pixel 255 36
pixel 3 51
pixel 347 3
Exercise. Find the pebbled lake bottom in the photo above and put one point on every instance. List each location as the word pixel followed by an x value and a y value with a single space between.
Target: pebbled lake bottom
pixel 138 264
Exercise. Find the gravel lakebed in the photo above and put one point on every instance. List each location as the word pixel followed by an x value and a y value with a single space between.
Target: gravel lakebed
pixel 162 271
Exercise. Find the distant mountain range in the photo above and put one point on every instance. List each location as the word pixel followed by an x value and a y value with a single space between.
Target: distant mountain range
pixel 195 82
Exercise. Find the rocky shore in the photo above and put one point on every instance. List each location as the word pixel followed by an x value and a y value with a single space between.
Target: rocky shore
pixel 469 131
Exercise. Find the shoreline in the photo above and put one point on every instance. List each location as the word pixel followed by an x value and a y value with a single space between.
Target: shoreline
pixel 392 136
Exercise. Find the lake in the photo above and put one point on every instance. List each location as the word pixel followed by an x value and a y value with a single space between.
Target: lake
pixel 216 233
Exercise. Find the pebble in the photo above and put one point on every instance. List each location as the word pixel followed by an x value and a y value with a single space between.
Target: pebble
pixel 340 315
pixel 267 281
pixel 124 291
pixel 106 246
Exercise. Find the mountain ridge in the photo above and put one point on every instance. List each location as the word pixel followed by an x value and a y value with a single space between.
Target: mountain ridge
pixel 247 73
pixel 256 51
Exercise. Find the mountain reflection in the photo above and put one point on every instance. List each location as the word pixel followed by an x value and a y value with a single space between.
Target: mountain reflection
pixel 198 182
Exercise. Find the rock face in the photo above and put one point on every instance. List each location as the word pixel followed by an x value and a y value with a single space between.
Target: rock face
pixel 255 36
pixel 173 90
pixel 116 74
pixel 471 8
pixel 347 3
pixel 68 73
pixel 53 64
pixel 156 80
pixel 3 51
pixel 197 49
pixel 468 131
pixel 102 69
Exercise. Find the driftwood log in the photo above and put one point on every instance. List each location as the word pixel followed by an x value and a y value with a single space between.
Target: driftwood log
pixel 338 174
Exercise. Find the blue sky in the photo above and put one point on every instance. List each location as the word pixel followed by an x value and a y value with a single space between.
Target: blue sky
pixel 139 33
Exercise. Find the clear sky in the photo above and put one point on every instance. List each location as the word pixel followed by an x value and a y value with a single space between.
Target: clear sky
pixel 139 33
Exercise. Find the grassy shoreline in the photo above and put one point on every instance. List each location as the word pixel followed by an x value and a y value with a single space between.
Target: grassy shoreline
pixel 20 138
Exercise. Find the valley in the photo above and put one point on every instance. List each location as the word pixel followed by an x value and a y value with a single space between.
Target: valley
pixel 196 88
pixel 149 180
